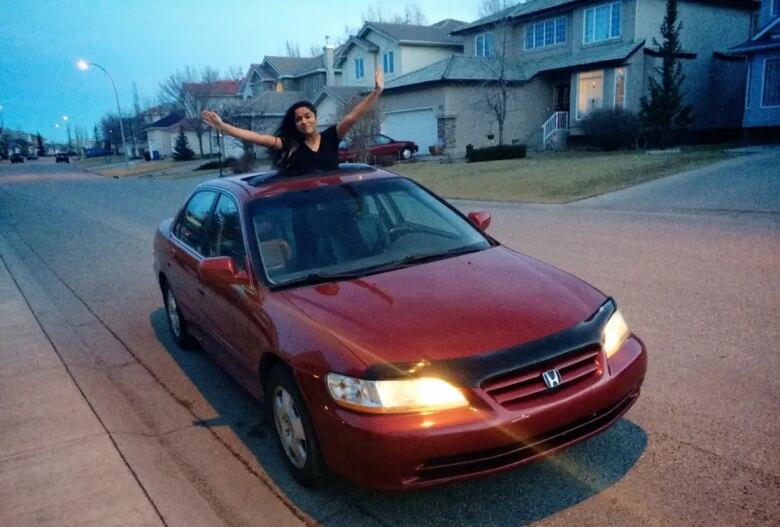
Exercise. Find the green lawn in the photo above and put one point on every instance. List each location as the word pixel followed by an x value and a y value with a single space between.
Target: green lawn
pixel 554 177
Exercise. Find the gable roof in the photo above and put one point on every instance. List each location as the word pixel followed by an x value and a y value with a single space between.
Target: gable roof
pixel 342 94
pixel 213 89
pixel 765 40
pixel 483 69
pixel 171 119
pixel 413 34
pixel 532 8
pixel 269 103
pixel 294 66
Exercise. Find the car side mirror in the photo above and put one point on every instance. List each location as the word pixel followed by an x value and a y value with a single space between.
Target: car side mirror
pixel 480 218
pixel 220 269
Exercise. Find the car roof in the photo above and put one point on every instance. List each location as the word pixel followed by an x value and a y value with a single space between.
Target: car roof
pixel 261 184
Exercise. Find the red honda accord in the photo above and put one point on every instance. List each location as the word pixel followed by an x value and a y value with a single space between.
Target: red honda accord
pixel 392 340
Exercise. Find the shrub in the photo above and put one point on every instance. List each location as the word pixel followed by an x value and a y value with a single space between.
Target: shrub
pixel 493 153
pixel 612 129
pixel 244 164
pixel 212 165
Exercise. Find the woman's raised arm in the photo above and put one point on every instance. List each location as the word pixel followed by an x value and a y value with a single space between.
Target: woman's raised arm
pixel 362 107
pixel 215 121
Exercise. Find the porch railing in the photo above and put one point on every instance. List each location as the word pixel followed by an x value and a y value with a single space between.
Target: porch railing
pixel 557 121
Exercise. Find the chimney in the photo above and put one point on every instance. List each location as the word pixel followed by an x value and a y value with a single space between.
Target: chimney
pixel 330 75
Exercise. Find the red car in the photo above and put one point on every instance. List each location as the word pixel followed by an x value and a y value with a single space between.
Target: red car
pixel 392 340
pixel 381 147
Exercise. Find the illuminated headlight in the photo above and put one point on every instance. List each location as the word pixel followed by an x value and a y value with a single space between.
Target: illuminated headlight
pixel 614 334
pixel 406 395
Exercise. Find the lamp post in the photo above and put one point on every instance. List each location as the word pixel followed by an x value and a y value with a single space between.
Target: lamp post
pixel 84 66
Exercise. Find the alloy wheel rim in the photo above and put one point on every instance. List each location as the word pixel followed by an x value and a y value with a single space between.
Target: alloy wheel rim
pixel 173 314
pixel 289 427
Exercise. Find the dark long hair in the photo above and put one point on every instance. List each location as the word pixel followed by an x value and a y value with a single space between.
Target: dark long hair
pixel 291 137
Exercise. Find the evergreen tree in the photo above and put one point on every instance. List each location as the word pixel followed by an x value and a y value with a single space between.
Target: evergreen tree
pixel 182 150
pixel 41 149
pixel 664 116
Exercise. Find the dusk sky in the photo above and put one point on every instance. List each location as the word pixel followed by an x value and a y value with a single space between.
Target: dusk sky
pixel 145 41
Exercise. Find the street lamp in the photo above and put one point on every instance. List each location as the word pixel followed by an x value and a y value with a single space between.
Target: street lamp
pixel 84 66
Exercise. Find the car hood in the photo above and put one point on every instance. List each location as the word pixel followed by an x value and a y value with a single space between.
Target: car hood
pixel 451 308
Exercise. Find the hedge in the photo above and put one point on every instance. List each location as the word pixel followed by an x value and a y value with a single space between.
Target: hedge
pixel 492 153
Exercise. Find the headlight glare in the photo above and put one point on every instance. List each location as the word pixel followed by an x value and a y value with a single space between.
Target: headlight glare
pixel 614 334
pixel 394 396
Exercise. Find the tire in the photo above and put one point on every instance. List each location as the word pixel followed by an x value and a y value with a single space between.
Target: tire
pixel 406 153
pixel 294 431
pixel 176 322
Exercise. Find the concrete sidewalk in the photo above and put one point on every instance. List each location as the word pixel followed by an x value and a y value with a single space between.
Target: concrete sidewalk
pixel 58 463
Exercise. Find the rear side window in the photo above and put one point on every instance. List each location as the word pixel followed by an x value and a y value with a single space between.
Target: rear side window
pixel 225 238
pixel 192 224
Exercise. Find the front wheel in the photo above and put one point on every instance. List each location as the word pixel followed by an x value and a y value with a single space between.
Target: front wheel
pixel 294 431
pixel 176 321
pixel 406 154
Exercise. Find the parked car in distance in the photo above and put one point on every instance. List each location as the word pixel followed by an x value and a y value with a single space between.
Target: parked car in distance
pixel 32 157
pixel 62 157
pixel 391 339
pixel 17 158
pixel 381 147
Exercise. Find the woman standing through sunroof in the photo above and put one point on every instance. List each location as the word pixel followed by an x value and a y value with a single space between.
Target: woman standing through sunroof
pixel 298 147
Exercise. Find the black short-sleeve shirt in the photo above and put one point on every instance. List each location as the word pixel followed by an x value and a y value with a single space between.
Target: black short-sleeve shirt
pixel 304 159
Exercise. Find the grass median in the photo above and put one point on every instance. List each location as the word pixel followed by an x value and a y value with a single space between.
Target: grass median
pixel 555 177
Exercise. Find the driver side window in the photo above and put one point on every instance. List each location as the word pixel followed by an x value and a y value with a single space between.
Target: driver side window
pixel 225 236
pixel 192 223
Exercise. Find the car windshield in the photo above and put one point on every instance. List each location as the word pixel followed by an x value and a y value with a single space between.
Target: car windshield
pixel 354 229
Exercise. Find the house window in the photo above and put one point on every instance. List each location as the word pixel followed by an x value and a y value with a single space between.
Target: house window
pixel 620 88
pixel 545 33
pixel 359 71
pixel 387 59
pixel 601 23
pixel 483 45
pixel 776 8
pixel 590 92
pixel 771 83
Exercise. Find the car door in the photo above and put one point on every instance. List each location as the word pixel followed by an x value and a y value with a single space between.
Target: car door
pixel 384 146
pixel 226 304
pixel 189 234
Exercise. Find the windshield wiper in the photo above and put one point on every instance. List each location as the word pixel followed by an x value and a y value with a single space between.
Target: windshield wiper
pixel 415 259
pixel 317 278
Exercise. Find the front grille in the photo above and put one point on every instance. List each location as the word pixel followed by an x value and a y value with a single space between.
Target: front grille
pixel 532 448
pixel 513 389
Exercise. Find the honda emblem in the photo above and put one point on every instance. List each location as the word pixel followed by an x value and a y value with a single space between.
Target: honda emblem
pixel 552 378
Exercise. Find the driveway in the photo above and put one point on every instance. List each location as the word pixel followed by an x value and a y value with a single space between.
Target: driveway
pixel 749 183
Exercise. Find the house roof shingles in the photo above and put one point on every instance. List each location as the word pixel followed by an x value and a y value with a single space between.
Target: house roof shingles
pixel 480 69
pixel 293 66
pixel 765 40
pixel 416 34
pixel 215 89
pixel 269 103
pixel 536 7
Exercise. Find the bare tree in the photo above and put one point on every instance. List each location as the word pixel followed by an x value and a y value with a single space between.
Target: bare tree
pixel 491 7
pixel 412 14
pixel 315 50
pixel 362 133
pixel 201 96
pixel 497 87
pixel 171 89
pixel 292 49
pixel 235 73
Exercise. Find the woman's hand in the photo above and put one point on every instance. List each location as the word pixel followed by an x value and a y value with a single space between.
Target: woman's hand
pixel 379 80
pixel 213 119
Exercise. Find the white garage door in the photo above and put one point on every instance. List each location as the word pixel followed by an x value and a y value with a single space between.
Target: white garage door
pixel 412 125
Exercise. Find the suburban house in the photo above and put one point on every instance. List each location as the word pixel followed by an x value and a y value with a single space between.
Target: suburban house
pixel 560 59
pixel 220 95
pixel 762 90
pixel 398 49
pixel 275 84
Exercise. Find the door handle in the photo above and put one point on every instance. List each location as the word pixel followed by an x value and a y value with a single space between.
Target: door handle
pixel 201 291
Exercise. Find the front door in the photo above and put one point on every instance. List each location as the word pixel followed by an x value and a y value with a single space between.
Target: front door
pixel 562 92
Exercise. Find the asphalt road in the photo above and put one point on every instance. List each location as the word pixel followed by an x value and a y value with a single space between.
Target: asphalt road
pixel 699 282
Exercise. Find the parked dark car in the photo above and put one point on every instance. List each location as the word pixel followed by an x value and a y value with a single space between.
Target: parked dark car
pixel 391 340
pixel 17 158
pixel 381 147
pixel 32 157
pixel 62 157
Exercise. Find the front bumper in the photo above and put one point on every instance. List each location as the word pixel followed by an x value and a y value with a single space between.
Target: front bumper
pixel 407 451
